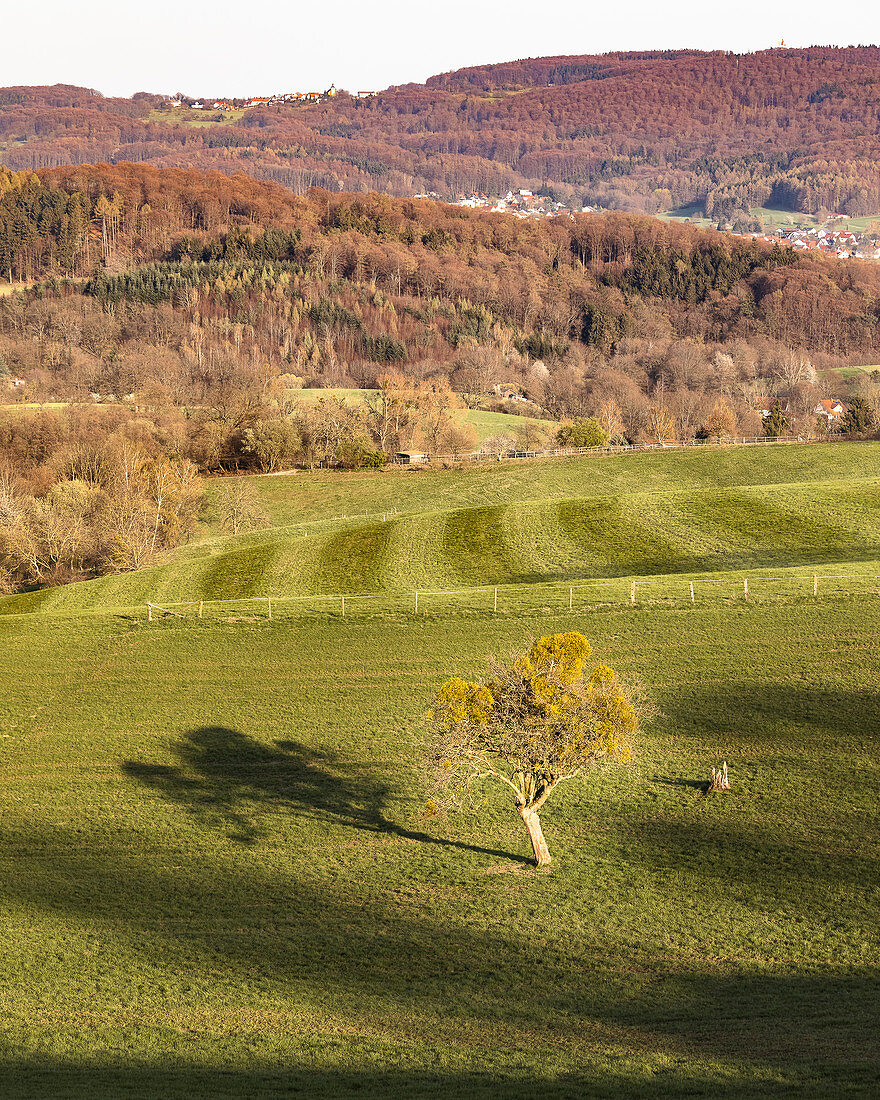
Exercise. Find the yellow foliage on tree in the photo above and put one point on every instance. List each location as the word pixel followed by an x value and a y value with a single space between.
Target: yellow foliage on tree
pixel 540 718
pixel 661 423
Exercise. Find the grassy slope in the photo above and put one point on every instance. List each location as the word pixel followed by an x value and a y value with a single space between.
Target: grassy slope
pixel 772 217
pixel 290 499
pixel 178 116
pixel 517 524
pixel 216 880
pixel 483 422
pixel 847 373
pixel 487 423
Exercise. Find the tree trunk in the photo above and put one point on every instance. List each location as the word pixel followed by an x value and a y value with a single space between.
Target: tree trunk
pixel 536 835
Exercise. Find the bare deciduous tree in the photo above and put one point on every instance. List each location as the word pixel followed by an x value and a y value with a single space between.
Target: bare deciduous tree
pixel 239 505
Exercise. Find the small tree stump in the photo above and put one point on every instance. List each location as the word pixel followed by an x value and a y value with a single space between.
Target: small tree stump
pixel 718 780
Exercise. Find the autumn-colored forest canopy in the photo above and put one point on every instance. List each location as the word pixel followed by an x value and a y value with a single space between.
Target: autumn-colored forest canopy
pixel 648 132
pixel 194 304
pixel 371 279
pixel 184 283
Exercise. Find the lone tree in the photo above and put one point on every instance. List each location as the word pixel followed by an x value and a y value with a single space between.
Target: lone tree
pixel 239 506
pixel 586 432
pixel 539 719
pixel 775 423
pixel 859 417
pixel 720 423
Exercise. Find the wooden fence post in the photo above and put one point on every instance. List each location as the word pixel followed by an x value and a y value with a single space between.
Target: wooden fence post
pixel 692 592
pixel 149 612
pixel 569 599
pixel 495 607
pixel 343 607
pixel 815 586
pixel 746 587
pixel 200 608
pixel 269 602
pixel 417 603
pixel 632 593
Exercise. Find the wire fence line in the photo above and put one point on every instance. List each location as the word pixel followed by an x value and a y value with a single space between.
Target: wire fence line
pixel 542 595
pixel 612 449
pixel 513 453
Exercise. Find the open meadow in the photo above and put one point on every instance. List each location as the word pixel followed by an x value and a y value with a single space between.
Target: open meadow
pixel 219 879
pixel 680 515
pixel 484 422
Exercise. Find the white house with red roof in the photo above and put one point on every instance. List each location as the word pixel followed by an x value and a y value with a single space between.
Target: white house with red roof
pixel 831 409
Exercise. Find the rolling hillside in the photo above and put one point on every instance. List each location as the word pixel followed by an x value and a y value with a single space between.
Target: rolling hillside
pixel 651 130
pixel 218 879
pixel 552 520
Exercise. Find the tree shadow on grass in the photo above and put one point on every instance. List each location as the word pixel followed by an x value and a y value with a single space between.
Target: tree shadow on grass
pixel 673 781
pixel 796 827
pixel 755 708
pixel 234 781
pixel 172 1078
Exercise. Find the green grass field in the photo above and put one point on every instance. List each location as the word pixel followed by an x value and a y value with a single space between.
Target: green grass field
pixel 847 373
pixel 183 117
pixel 805 508
pixel 483 422
pixel 868 223
pixel 773 218
pixel 218 879
pixel 770 217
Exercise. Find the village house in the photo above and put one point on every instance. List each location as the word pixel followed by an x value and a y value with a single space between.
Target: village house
pixel 507 391
pixel 830 409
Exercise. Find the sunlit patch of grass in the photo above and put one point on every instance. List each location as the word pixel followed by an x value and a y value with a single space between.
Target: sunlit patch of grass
pixel 571 522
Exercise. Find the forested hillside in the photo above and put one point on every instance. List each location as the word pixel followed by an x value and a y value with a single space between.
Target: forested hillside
pixel 189 309
pixel 179 280
pixel 648 132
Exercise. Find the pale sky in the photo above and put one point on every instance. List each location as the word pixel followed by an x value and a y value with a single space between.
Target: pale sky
pixel 252 47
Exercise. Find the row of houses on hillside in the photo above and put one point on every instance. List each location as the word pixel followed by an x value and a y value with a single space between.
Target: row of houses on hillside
pixel 262 100
pixel 522 204
pixel 845 244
